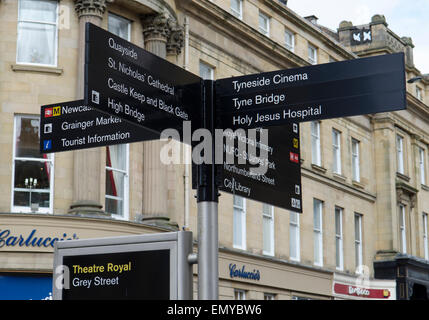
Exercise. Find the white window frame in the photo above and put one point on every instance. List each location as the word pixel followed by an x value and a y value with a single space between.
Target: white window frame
pixel 269 296
pixel 419 93
pixel 239 294
pixel 239 13
pixel 265 30
pixel 316 151
pixel 402 229
pixel 208 68
pixel 126 186
pixel 422 165
pixel 339 253
pixel 50 161
pixel 290 46
pixel 294 224
pixel 318 231
pixel 425 236
pixel 336 151
pixel 312 54
pixel 400 153
pixel 242 211
pixel 268 218
pixel 358 243
pixel 116 16
pixel 356 160
pixel 55 64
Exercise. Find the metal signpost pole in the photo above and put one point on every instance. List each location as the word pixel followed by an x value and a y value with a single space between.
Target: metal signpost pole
pixel 207 199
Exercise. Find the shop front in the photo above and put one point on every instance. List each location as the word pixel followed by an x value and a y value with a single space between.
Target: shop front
pixel 246 276
pixel 361 287
pixel 411 275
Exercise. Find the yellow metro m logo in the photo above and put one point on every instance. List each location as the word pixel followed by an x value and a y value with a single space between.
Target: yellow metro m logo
pixel 56 111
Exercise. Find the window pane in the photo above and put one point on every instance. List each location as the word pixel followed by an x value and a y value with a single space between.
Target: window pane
pixel 315 128
pixel 34 174
pixel 116 156
pixel 119 26
pixel 267 210
pixel 422 166
pixel 38 10
pixel 338 252
pixel 206 72
pixel 36 43
pixel 269 296
pixel 315 143
pixel 293 217
pixel 316 214
pixel 338 222
pixel 317 248
pixel 238 201
pixel 236 8
pixel 267 234
pixel 27 138
pixel 24 198
pixel 294 232
pixel 317 222
pixel 114 206
pixel 357 228
pixel 239 294
pixel 32 179
pixel 115 183
pixel 289 40
pixel 425 236
pixel 336 151
pixel 312 54
pixel 238 228
pixel 263 24
pixel 355 160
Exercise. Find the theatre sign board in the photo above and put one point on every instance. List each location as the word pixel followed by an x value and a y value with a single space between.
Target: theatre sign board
pixel 146 267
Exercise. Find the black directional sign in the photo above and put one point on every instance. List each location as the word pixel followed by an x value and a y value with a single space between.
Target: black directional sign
pixel 281 184
pixel 340 89
pixel 73 125
pixel 125 80
pixel 122 275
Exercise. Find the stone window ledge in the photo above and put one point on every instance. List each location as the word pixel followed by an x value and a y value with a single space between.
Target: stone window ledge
pixel 403 177
pixel 425 187
pixel 339 176
pixel 38 69
pixel 318 168
pixel 358 184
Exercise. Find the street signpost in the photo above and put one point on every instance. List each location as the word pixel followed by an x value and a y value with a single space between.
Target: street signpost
pixel 73 125
pixel 128 82
pixel 151 266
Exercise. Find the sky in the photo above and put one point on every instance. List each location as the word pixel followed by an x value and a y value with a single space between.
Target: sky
pixel 404 17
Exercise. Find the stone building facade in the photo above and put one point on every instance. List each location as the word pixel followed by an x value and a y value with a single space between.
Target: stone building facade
pixel 364 178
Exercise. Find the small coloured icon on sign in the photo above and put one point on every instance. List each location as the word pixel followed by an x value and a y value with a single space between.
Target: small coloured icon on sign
pixel 295 128
pixel 296 203
pixel 95 97
pixel 295 143
pixel 293 157
pixel 47 128
pixel 56 111
pixel 47 144
pixel 48 112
